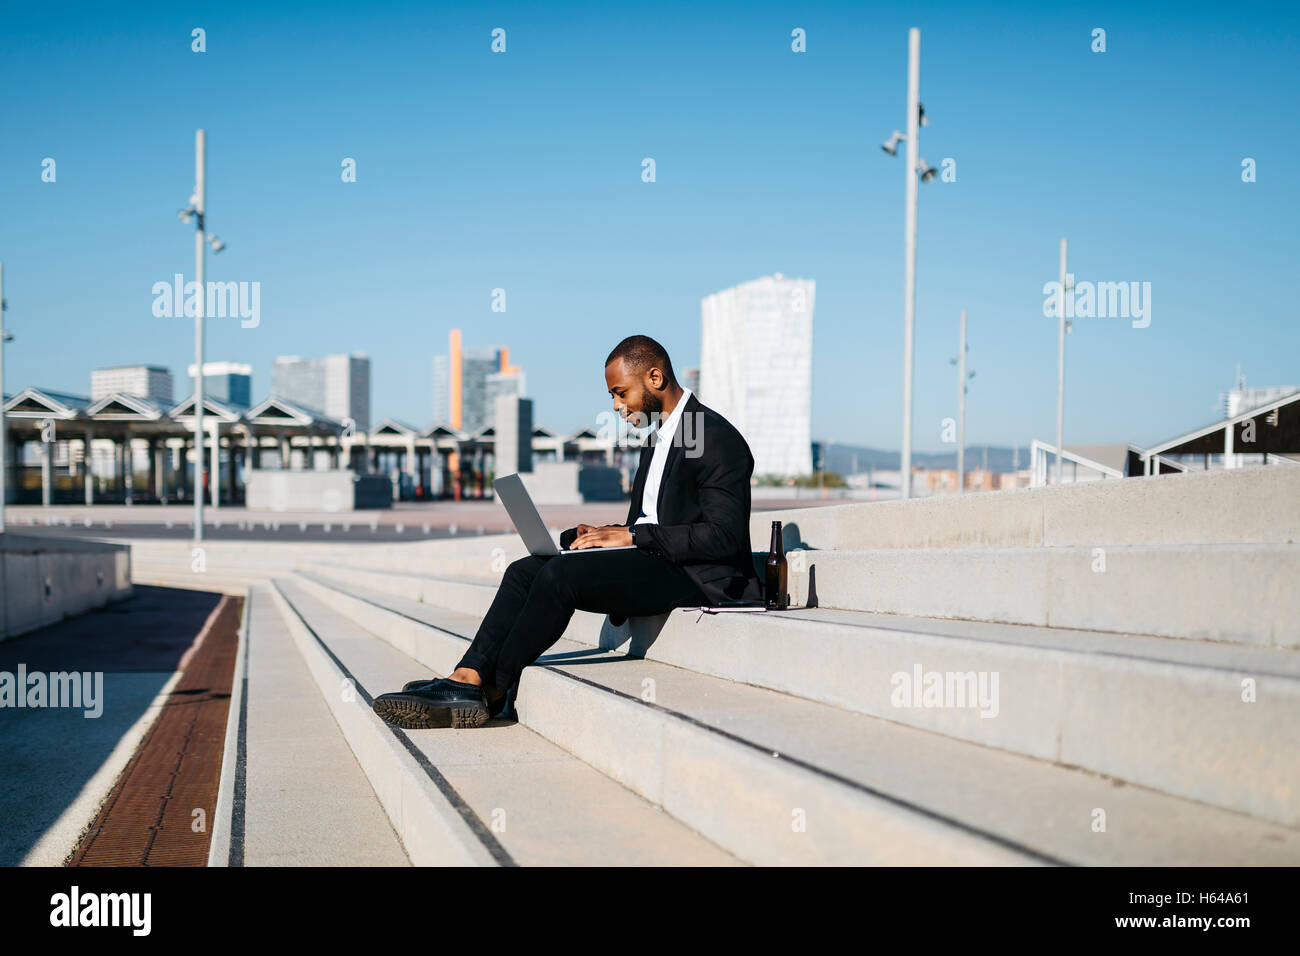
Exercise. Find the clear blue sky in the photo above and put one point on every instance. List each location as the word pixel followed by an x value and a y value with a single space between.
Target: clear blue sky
pixel 522 171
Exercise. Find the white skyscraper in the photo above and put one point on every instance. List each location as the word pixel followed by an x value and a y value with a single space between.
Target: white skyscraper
pixel 147 381
pixel 337 385
pixel 756 368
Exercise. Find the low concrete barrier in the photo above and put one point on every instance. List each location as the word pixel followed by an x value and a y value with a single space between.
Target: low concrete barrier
pixel 328 491
pixel 553 483
pixel 1242 506
pixel 43 580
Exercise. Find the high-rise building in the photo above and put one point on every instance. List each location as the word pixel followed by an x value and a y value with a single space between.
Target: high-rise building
pixel 145 381
pixel 691 380
pixel 228 382
pixel 466 383
pixel 476 365
pixel 338 386
pixel 503 383
pixel 756 368
pixel 441 390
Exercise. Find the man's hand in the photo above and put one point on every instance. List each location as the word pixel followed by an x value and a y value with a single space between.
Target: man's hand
pixel 574 534
pixel 607 537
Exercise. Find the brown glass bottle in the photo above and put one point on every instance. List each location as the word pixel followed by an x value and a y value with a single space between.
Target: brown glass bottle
pixel 774 593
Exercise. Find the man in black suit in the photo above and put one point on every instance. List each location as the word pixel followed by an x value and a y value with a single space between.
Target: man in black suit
pixel 688 520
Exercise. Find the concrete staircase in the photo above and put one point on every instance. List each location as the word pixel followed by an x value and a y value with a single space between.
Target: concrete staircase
pixel 962 693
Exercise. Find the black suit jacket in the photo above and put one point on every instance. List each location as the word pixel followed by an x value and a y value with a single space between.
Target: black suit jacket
pixel 703 506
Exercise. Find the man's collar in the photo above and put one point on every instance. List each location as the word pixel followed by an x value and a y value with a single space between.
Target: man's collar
pixel 670 423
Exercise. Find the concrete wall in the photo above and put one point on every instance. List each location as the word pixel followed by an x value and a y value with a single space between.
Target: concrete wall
pixel 43 581
pixel 329 491
pixel 553 483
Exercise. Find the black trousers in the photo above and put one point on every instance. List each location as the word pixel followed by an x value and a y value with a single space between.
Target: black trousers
pixel 538 596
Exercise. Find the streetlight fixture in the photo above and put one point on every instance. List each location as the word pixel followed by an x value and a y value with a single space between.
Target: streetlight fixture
pixel 915 169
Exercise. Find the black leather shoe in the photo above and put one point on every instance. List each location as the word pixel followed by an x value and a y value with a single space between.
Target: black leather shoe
pixel 498 707
pixel 438 703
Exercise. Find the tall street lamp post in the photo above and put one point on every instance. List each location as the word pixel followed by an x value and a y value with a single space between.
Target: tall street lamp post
pixel 963 377
pixel 915 167
pixel 197 210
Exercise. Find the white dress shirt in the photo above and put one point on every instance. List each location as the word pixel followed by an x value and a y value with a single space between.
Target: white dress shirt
pixel 666 430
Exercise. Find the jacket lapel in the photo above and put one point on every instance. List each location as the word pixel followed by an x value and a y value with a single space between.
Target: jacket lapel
pixel 638 483
pixel 675 451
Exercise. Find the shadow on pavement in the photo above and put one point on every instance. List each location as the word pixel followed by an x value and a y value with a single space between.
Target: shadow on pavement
pixel 48 754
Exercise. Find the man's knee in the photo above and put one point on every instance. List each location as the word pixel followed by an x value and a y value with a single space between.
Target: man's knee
pixel 528 565
pixel 559 574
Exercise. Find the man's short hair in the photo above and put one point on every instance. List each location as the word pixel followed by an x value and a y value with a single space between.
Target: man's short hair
pixel 640 352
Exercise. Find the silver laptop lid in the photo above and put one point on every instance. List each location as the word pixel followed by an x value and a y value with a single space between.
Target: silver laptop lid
pixel 527 519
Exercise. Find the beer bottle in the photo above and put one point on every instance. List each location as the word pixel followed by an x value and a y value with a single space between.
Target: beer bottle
pixel 774 594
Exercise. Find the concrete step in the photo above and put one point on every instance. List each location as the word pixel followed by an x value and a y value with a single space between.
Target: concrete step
pixel 499 794
pixel 306 801
pixel 777 779
pixel 1240 593
pixel 1067 696
pixel 1236 593
pixel 1242 506
pixel 476 557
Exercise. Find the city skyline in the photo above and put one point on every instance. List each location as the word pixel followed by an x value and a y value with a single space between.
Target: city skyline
pixel 547 202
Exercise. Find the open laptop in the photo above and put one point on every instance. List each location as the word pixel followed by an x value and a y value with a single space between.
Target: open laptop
pixel 528 521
